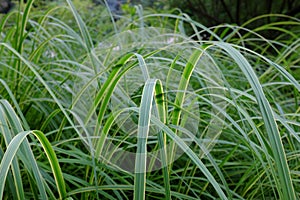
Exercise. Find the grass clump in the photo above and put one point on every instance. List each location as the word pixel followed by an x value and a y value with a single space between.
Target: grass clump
pixel 138 109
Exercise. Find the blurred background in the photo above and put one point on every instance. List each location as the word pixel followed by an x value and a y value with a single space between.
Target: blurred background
pixel 207 12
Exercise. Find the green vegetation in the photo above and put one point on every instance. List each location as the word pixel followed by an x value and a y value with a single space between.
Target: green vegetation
pixel 215 12
pixel 92 108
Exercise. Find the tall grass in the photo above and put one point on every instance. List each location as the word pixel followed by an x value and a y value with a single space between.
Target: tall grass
pixel 137 109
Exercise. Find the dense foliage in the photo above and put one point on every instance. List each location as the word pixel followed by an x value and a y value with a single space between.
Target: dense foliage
pixel 97 108
pixel 215 12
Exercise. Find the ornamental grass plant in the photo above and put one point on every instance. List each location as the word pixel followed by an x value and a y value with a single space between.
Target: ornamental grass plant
pixel 97 108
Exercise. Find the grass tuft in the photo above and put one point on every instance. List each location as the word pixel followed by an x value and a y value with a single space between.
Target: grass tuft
pixel 134 108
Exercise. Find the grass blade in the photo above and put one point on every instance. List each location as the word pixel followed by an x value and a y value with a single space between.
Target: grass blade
pixel 143 130
pixel 281 173
pixel 191 155
pixel 12 149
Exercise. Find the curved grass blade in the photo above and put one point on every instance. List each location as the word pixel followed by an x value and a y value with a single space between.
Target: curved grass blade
pixel 151 86
pixel 143 130
pixel 16 172
pixel 10 154
pixel 282 173
pixel 26 154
